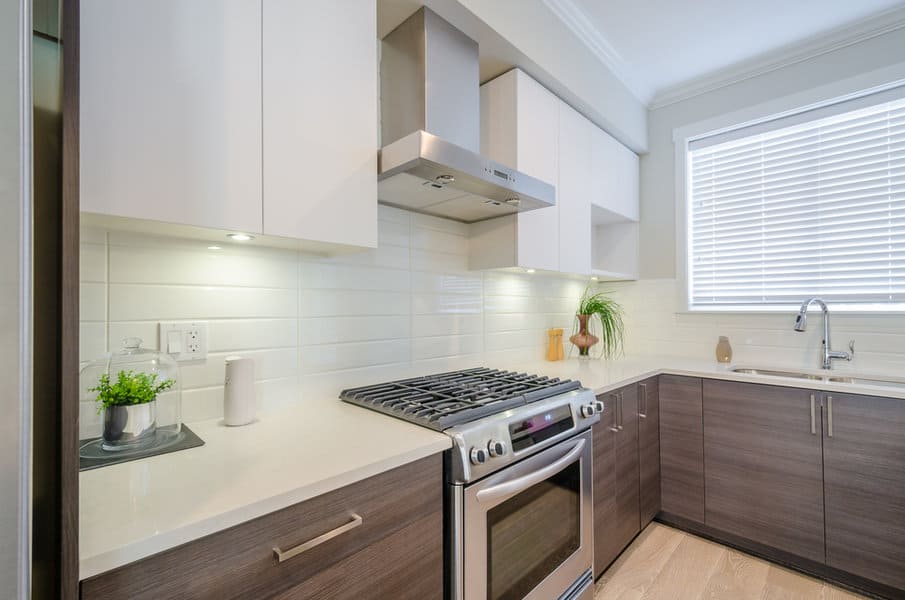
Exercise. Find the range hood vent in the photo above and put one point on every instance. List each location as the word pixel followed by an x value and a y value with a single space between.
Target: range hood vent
pixel 430 126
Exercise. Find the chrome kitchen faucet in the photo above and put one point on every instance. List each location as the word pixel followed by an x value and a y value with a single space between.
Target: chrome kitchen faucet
pixel 801 322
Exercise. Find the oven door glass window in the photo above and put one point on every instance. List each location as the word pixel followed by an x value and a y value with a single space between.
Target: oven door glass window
pixel 532 533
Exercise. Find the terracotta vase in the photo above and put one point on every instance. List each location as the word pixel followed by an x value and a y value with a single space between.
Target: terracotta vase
pixel 583 340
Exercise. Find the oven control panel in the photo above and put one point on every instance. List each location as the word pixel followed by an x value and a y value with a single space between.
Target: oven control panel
pixel 489 444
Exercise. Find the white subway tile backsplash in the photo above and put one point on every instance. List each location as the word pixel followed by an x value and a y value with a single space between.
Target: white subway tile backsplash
pixel 337 357
pixel 334 330
pixel 93 263
pixel 92 302
pixel 327 303
pixel 226 267
pixel 130 302
pixel 320 323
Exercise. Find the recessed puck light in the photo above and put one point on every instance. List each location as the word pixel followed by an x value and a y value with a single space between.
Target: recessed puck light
pixel 240 237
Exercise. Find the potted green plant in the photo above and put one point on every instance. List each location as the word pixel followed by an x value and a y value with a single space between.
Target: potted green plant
pixel 129 405
pixel 608 314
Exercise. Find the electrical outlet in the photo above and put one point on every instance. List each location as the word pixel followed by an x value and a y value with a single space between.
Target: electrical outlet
pixel 184 340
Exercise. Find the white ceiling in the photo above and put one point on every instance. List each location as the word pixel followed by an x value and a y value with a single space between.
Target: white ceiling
pixel 659 45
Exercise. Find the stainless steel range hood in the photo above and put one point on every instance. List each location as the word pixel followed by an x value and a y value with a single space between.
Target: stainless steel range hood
pixel 430 126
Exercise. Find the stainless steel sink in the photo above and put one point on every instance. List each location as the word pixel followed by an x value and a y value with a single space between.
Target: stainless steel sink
pixel 827 378
pixel 793 374
pixel 867 381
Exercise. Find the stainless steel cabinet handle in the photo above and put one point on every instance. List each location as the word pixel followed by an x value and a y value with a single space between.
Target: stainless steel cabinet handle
pixel 813 416
pixel 642 412
pixel 283 555
pixel 615 404
pixel 621 411
pixel 829 416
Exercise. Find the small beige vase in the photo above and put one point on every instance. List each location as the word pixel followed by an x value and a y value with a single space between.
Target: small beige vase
pixel 723 350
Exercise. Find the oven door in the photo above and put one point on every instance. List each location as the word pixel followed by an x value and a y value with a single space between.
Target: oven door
pixel 528 529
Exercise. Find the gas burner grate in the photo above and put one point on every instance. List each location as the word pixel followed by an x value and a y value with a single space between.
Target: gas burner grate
pixel 447 399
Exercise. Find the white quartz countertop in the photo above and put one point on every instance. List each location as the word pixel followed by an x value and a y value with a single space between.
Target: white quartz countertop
pixel 133 510
pixel 602 376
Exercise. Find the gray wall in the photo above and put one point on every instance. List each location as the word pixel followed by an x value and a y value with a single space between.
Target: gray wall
pixel 14 373
pixel 873 62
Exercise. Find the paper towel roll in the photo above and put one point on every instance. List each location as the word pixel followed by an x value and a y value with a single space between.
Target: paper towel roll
pixel 239 391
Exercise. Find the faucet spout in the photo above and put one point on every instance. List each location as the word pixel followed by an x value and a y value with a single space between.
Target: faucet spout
pixel 801 323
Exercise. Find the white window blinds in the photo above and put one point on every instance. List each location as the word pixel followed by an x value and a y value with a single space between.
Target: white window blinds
pixel 815 208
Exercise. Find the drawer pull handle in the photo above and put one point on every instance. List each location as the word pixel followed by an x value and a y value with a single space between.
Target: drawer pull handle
pixel 813 416
pixel 283 555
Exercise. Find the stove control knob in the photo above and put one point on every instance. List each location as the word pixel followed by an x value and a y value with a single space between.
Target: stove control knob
pixel 478 456
pixel 496 448
pixel 588 411
pixel 598 407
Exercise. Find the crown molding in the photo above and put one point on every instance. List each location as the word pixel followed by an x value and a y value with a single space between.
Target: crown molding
pixel 817 45
pixel 573 17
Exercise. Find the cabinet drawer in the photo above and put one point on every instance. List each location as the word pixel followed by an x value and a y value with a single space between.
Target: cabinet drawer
pixel 240 562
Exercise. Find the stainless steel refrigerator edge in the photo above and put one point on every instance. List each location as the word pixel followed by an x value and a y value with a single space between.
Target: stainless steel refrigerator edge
pixel 15 296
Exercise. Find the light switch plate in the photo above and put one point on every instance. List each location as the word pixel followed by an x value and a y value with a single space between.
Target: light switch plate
pixel 184 340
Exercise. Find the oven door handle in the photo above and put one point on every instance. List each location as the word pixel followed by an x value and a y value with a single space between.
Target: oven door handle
pixel 520 484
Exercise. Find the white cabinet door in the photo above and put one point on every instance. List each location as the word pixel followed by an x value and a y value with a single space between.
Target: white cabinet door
pixel 576 184
pixel 538 155
pixel 320 120
pixel 170 109
pixel 617 176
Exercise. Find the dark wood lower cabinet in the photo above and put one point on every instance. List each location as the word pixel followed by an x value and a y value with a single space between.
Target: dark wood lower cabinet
pixel 864 478
pixel 682 447
pixel 606 547
pixel 618 455
pixel 763 465
pixel 396 552
pixel 649 448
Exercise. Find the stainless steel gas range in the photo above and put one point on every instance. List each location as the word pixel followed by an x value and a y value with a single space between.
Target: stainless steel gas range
pixel 518 508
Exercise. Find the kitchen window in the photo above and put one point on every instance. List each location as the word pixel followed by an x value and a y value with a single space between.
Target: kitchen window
pixel 811 204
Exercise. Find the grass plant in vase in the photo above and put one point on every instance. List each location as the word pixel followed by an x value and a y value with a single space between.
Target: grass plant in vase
pixel 598 309
pixel 129 405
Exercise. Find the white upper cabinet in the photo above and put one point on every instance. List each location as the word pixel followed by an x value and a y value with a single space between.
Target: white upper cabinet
pixel 170 111
pixel 617 175
pixel 257 116
pixel 592 230
pixel 520 129
pixel 320 121
pixel 575 188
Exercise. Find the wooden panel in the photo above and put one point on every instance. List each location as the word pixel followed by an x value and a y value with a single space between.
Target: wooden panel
pixel 649 448
pixel 628 503
pixel 320 120
pixel 69 334
pixel 606 547
pixel 764 466
pixel 407 565
pixel 239 562
pixel 171 111
pixel 864 473
pixel 681 447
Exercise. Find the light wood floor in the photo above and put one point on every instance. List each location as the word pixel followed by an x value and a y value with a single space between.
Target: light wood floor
pixel 667 564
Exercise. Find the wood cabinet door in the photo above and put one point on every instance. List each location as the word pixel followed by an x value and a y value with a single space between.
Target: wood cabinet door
pixel 606 546
pixel 170 109
pixel 864 479
pixel 320 121
pixel 649 448
pixel 763 461
pixel 628 502
pixel 682 447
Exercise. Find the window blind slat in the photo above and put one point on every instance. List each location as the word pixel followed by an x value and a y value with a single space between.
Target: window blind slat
pixel 812 208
